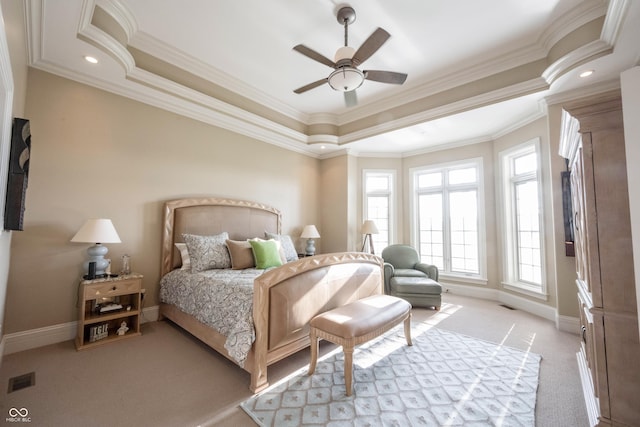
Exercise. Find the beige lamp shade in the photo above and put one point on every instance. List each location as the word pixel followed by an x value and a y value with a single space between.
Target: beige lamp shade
pixel 96 231
pixel 369 227
pixel 310 232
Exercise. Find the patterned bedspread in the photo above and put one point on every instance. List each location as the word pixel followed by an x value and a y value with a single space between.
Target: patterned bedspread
pixel 221 299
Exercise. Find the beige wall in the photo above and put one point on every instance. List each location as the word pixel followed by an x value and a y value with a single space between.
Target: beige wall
pixel 95 154
pixel 12 13
pixel 334 205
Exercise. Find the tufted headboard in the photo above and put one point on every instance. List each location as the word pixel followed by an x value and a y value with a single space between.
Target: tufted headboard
pixel 207 216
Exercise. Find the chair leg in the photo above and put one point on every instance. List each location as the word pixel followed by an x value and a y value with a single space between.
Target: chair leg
pixel 348 368
pixel 314 351
pixel 407 329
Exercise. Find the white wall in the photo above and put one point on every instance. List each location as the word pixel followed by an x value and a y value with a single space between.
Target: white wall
pixel 630 82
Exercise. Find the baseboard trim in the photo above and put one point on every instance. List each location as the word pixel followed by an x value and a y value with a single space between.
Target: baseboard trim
pixel 34 338
pixel 563 323
pixel 568 324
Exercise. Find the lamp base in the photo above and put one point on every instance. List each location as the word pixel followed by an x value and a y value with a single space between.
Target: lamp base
pixel 310 250
pixel 367 239
pixel 96 254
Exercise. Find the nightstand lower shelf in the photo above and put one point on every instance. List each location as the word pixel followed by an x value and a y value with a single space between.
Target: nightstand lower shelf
pixel 109 310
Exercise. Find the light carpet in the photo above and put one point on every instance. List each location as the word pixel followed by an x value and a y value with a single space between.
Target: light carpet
pixel 444 379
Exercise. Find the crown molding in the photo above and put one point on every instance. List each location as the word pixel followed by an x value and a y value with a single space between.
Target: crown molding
pixel 590 90
pixel 466 74
pixel 614 19
pixel 109 45
pixel 169 54
pixel 513 91
pixel 575 58
pixel 121 13
pixel 582 14
pixel 448 146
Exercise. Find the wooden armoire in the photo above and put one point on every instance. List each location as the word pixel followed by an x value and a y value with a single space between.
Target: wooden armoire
pixel 609 356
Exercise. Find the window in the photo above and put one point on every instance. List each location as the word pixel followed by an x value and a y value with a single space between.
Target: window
pixel 523 237
pixel 378 204
pixel 448 213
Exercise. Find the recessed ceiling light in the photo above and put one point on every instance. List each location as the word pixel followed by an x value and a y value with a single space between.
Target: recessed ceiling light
pixel 91 59
pixel 586 73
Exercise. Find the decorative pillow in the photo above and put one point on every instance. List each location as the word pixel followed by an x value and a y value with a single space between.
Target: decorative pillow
pixel 241 254
pixel 289 249
pixel 207 252
pixel 283 258
pixel 184 254
pixel 266 253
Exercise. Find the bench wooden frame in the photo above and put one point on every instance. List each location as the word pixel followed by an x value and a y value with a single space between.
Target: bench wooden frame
pixel 349 342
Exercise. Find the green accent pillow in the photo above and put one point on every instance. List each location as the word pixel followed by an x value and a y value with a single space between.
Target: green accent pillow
pixel 266 253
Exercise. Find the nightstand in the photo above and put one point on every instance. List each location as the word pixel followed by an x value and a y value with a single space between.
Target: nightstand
pixel 109 310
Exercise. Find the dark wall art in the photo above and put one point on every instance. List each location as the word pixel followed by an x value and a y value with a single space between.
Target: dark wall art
pixel 18 175
pixel 567 210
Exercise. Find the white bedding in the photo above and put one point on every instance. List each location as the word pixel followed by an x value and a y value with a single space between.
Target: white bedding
pixel 221 299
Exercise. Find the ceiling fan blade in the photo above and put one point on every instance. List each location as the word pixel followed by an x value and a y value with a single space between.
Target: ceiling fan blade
pixel 350 98
pixel 310 53
pixel 385 76
pixel 370 46
pixel 311 86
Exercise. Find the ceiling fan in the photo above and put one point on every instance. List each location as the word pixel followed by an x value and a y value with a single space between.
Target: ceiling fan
pixel 346 77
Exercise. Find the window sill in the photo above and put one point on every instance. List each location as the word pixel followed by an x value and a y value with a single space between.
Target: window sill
pixel 472 280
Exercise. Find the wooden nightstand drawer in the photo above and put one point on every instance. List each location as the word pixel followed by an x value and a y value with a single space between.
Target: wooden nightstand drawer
pixel 112 288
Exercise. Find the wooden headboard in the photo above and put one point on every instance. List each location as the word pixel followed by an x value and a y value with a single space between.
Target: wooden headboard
pixel 207 216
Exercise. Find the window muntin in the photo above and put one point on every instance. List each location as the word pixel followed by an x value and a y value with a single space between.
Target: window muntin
pixel 464 231
pixel 431 229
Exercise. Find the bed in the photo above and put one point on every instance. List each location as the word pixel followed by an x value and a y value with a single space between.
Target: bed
pixel 282 299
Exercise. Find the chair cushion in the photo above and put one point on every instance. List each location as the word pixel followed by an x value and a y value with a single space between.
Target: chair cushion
pixel 415 285
pixel 408 272
pixel 362 316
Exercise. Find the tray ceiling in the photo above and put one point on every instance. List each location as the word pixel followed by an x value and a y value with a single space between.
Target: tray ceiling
pixel 476 69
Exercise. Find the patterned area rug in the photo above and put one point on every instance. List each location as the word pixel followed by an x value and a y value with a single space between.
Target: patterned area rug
pixel 444 379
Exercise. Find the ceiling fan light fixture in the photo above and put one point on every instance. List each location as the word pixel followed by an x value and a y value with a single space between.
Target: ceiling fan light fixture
pixel 346 79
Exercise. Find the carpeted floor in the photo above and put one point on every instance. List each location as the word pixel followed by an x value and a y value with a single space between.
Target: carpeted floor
pixel 444 379
pixel 167 378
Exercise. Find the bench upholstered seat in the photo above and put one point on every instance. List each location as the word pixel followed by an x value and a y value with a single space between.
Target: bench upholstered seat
pixel 357 323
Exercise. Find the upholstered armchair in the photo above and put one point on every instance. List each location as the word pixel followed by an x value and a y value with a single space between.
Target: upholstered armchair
pixel 406 277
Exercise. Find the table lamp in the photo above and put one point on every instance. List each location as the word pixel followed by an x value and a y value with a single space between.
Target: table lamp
pixel 97 231
pixel 310 232
pixel 368 228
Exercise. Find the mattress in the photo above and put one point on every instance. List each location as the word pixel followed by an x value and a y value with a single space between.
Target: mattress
pixel 221 299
